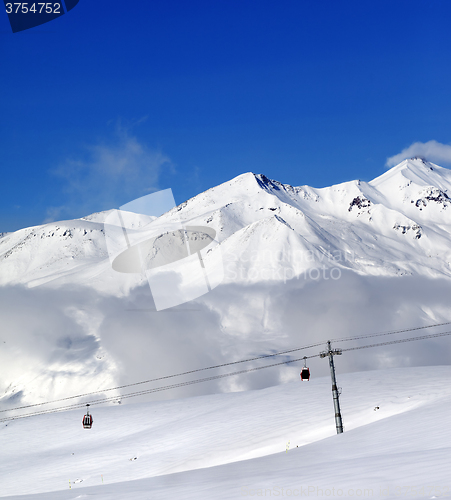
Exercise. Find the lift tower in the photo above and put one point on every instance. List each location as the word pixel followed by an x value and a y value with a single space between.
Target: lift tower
pixel 331 353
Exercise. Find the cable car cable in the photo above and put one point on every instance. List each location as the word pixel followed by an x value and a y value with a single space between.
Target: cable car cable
pixel 346 339
pixel 399 341
pixel 215 377
pixel 168 376
pixel 155 389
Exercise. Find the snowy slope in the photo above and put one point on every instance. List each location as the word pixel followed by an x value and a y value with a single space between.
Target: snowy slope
pixel 397 442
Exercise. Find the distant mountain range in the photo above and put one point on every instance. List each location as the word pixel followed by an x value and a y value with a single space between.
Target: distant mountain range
pixel 397 224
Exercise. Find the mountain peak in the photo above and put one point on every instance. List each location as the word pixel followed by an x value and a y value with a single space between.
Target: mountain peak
pixel 419 158
pixel 419 161
pixel 416 170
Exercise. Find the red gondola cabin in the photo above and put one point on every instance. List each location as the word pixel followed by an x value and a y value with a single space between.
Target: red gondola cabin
pixel 305 374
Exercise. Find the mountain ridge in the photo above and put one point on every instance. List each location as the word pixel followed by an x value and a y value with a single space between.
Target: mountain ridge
pixel 401 218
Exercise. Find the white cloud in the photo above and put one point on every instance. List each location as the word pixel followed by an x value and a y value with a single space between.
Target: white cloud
pixel 61 341
pixel 431 151
pixel 109 175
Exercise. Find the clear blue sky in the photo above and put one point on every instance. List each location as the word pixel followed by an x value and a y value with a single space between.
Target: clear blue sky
pixel 117 98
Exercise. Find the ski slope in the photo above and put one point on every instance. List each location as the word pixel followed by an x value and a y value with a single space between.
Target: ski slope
pixel 396 444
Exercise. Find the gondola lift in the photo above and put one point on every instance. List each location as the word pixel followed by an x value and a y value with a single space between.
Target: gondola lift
pixel 87 419
pixel 305 372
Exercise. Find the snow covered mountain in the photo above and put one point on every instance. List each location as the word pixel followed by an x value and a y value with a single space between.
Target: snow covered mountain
pixel 300 265
pixel 397 224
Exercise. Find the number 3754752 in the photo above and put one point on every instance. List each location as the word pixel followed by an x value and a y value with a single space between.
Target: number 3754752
pixel 35 8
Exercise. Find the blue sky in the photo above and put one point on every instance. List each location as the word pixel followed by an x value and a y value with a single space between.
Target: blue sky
pixel 117 99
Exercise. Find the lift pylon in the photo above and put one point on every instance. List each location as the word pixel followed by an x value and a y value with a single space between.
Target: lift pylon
pixel 335 394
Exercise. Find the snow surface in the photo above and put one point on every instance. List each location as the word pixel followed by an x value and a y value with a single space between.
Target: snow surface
pixel 396 444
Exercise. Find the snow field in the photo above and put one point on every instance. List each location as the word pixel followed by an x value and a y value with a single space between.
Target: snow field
pixel 234 445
